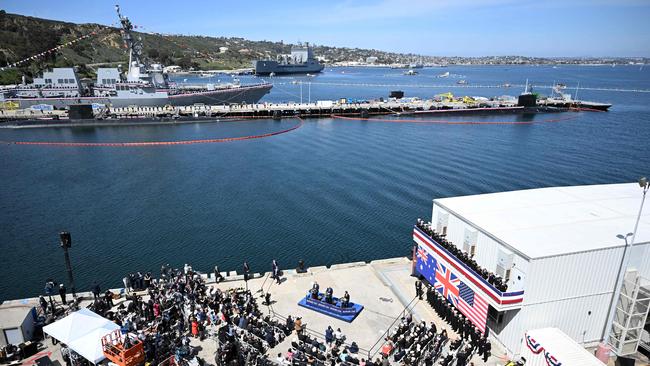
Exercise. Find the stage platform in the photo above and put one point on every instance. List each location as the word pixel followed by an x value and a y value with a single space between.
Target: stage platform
pixel 335 310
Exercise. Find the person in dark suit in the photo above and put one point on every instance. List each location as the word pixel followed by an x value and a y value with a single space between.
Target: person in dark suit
pixel 346 300
pixel 418 289
pixel 63 292
pixel 487 353
pixel 96 290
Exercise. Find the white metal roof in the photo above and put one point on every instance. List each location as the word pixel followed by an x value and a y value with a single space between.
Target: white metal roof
pixel 13 316
pixel 558 220
pixel 562 347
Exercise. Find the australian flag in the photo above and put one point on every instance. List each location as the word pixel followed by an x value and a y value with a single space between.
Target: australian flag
pixel 426 265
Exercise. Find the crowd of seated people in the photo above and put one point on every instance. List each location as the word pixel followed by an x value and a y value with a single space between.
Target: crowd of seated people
pixel 308 350
pixel 414 343
pixel 490 277
pixel 179 306
pixel 459 354
pixel 419 343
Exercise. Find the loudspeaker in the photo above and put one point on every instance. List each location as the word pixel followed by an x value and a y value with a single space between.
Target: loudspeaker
pixel 624 361
pixel 28 349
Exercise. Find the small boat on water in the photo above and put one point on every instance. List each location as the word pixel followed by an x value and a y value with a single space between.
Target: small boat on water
pixel 411 72
pixel 564 100
pixel 461 82
pixel 444 75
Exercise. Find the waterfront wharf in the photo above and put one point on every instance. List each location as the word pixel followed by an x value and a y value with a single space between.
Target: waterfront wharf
pixel 317 109
pixel 385 288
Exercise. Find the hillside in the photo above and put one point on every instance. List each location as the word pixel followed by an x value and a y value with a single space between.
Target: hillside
pixel 23 36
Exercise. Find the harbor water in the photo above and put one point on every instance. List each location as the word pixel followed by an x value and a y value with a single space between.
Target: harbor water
pixel 328 192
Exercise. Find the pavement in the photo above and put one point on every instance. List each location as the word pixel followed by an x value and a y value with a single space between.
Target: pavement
pixel 383 287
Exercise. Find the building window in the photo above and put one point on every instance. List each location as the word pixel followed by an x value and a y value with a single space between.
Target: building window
pixel 48 81
pixel 60 81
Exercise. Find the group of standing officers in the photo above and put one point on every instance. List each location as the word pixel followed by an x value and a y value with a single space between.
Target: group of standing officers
pixel 459 323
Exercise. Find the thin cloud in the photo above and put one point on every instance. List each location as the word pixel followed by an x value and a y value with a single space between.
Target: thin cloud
pixel 350 11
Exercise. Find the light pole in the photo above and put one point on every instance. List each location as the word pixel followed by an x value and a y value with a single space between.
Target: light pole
pixel 645 185
pixel 66 243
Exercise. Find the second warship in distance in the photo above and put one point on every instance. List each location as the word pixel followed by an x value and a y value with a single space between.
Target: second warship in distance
pixel 300 61
pixel 144 84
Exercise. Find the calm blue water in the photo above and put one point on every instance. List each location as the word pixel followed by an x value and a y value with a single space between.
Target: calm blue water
pixel 332 191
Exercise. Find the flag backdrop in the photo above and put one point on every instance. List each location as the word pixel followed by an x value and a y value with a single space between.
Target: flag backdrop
pixel 450 286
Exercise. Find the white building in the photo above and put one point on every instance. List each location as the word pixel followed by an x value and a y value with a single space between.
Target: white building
pixel 558 250
pixel 371 60
pixel 551 344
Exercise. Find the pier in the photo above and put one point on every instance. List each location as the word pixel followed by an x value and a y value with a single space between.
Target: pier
pixel 385 287
pixel 143 114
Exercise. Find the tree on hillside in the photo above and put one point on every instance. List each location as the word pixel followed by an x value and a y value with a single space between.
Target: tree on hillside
pixel 153 53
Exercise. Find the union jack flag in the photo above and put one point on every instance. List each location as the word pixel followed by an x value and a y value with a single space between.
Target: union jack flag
pixel 446 283
pixel 422 254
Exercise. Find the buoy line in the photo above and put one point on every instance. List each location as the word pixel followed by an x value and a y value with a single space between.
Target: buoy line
pixel 155 143
pixel 452 122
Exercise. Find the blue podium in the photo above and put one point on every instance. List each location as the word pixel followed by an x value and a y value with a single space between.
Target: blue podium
pixel 333 309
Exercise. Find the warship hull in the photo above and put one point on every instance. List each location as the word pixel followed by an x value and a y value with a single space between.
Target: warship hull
pixel 268 67
pixel 248 94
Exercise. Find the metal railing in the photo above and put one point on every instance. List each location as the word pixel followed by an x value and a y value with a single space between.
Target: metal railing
pixel 372 352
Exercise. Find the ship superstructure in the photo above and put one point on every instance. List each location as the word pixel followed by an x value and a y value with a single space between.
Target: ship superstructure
pixel 143 84
pixel 300 61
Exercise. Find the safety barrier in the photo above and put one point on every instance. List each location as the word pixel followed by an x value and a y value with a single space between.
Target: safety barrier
pixel 155 143
pixel 453 122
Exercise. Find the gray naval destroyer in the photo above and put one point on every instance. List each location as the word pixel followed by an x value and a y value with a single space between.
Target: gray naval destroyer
pixel 143 85
pixel 300 61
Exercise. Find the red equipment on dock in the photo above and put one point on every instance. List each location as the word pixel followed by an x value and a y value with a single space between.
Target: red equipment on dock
pixel 123 353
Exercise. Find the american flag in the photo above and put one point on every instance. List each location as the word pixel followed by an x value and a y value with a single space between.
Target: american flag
pixel 473 306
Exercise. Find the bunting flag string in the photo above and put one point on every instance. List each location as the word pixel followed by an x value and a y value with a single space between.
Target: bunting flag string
pixel 49 51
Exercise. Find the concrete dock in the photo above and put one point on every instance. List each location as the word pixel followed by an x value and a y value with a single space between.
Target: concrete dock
pixel 135 114
pixel 384 287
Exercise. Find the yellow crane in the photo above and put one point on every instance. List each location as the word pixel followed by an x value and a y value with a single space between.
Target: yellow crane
pixel 446 97
pixel 9 105
pixel 468 100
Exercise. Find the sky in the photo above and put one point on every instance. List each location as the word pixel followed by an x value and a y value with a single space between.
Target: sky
pixel 543 28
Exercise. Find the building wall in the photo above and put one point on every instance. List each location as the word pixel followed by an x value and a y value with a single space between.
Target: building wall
pixel 581 318
pixel 487 249
pixel 571 292
pixel 573 275
pixel 28 325
pixel 640 259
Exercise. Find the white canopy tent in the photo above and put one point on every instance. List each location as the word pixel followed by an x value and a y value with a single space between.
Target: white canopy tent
pixel 82 332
